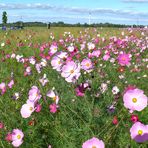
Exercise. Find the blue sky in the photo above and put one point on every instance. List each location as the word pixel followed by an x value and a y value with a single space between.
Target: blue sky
pixel 74 11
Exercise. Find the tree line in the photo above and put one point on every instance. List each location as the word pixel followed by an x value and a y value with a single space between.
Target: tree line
pixel 59 24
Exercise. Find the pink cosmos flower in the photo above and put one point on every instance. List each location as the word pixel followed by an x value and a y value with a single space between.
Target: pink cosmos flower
pixel 106 57
pixel 96 53
pixel 44 80
pixel 124 59
pixel 28 70
pixel 3 88
pixel 90 46
pixel 53 108
pixel 135 100
pixel 34 94
pixel 93 143
pixel 27 110
pixel 17 137
pixel 38 67
pixel 17 143
pixel 56 63
pixel 86 64
pixel 53 49
pixel 53 95
pixel 11 83
pixel 71 71
pixel 139 132
pixel 58 60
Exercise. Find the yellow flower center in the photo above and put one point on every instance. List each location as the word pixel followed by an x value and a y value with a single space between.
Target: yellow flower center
pixel 94 147
pixel 72 71
pixel 54 98
pixel 140 132
pixel 59 62
pixel 87 64
pixel 55 48
pixel 134 100
pixel 36 94
pixel 18 136
pixel 31 108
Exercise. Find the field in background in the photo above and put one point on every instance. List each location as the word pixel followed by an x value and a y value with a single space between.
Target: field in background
pixel 78 119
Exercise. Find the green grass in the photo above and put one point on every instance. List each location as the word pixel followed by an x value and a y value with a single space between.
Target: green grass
pixel 78 119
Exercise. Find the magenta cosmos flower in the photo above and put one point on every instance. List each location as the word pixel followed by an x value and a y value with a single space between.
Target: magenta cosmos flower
pixel 53 108
pixel 124 59
pixel 139 132
pixel 135 100
pixel 86 64
pixel 93 143
pixel 71 71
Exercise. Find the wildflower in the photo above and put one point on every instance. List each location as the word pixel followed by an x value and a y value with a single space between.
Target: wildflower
pixel 3 88
pixel 28 70
pixel 139 132
pixel 90 46
pixel 71 71
pixel 38 67
pixel 135 100
pixel 134 118
pixel 56 63
pixel 38 108
pixel 53 49
pixel 43 62
pixel 115 120
pixel 2 44
pixel 86 64
pixel 71 48
pixel 115 90
pixel 8 137
pixel 44 80
pixel 93 143
pixel 96 53
pixel 103 87
pixel 27 109
pixel 17 137
pixel 106 57
pixel 34 94
pixel 32 60
pixel 124 59
pixel 54 96
pixel 53 108
pixel 121 69
pixel 1 125
pixel 16 96
pixel 111 109
pixel 11 83
pixel 80 90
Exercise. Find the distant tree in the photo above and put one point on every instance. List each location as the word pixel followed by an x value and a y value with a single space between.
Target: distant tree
pixel 4 17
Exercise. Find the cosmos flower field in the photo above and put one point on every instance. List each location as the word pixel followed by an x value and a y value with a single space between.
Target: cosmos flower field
pixel 74 88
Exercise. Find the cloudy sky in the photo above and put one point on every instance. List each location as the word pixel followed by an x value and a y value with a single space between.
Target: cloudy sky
pixel 74 11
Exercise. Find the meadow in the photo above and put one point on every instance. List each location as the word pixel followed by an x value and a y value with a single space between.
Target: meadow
pixel 69 106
